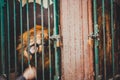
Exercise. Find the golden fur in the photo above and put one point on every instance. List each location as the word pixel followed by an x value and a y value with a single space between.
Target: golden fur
pixel 25 37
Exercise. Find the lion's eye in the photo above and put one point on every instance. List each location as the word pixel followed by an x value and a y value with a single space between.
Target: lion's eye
pixel 33 48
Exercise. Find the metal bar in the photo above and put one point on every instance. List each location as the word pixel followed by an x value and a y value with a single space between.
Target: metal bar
pixel 2 37
pixel 96 40
pixel 112 28
pixel 56 31
pixel 34 8
pixel 8 27
pixel 14 12
pixel 21 32
pixel 50 65
pixel 28 32
pixel 104 40
pixel 43 72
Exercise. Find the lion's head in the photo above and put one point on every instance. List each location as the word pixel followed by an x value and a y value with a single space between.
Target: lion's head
pixel 31 43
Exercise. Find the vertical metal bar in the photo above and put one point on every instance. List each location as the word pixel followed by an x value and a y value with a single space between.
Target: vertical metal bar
pixel 56 31
pixel 96 40
pixel 2 37
pixel 50 65
pixel 42 40
pixel 21 32
pixel 34 8
pixel 112 28
pixel 8 27
pixel 57 72
pixel 14 7
pixel 104 45
pixel 28 32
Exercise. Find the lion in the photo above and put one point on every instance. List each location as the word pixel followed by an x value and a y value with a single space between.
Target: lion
pixel 32 45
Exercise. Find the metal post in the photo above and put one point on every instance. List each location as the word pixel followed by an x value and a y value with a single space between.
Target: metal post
pixel 34 8
pixel 2 37
pixel 104 40
pixel 56 32
pixel 8 29
pixel 14 13
pixel 21 32
pixel 28 32
pixel 112 30
pixel 42 21
pixel 96 40
pixel 50 65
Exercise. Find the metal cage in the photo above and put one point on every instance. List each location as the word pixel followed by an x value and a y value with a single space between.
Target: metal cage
pixel 106 39
pixel 36 20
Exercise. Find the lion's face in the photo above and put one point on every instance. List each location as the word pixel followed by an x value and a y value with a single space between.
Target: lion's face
pixel 32 44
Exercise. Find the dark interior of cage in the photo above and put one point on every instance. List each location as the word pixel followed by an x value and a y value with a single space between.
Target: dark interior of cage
pixel 15 65
pixel 108 40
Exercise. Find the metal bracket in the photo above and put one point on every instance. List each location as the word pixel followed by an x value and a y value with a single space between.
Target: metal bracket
pixel 94 36
pixel 56 38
